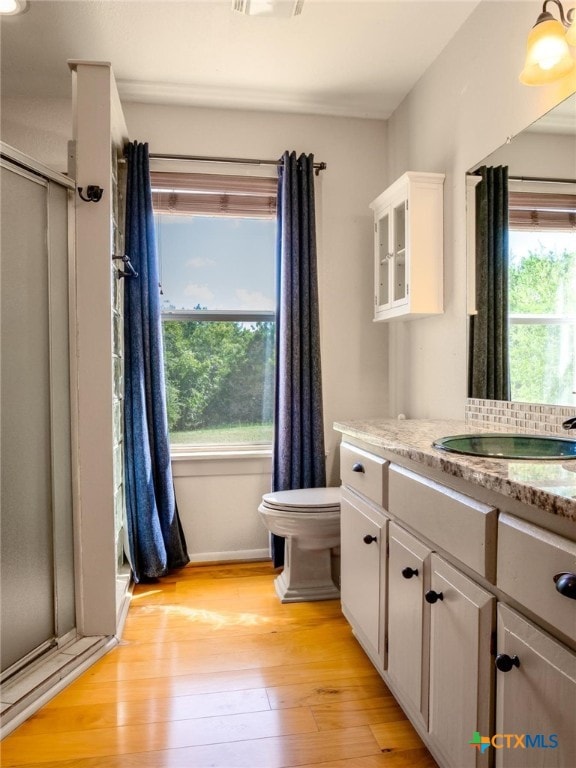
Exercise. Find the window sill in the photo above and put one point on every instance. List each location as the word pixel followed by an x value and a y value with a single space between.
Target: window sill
pixel 215 452
pixel 217 460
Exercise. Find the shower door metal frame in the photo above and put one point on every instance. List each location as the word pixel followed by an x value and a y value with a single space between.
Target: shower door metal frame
pixel 27 167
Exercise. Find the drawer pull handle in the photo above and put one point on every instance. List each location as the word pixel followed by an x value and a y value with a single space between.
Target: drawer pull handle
pixel 566 584
pixel 358 467
pixel 433 597
pixel 409 572
pixel 369 539
pixel 504 663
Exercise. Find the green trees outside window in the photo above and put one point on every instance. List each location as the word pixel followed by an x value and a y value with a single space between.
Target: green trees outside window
pixel 219 381
pixel 542 309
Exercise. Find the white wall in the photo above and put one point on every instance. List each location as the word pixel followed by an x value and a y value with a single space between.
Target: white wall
pixel 354 350
pixel 539 155
pixel 465 106
pixel 41 128
pixel 218 502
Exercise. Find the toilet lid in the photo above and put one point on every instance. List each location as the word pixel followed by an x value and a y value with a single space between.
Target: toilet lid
pixel 327 499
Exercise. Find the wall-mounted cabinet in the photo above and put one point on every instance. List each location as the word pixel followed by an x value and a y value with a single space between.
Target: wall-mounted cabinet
pixel 408 247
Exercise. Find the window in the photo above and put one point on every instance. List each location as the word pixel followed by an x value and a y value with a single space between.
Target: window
pixel 542 297
pixel 216 245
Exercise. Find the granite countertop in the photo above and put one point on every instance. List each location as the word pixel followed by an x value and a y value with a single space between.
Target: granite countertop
pixel 548 485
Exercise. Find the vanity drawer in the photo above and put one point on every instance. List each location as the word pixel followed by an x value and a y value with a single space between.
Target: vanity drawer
pixel 365 472
pixel 528 559
pixel 457 524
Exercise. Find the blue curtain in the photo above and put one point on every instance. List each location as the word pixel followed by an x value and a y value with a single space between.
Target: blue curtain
pixel 489 374
pixel 299 458
pixel 155 534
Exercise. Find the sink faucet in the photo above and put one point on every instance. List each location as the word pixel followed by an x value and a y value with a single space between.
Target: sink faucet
pixel 570 423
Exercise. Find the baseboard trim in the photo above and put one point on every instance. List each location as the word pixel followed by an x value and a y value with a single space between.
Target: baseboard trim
pixel 245 555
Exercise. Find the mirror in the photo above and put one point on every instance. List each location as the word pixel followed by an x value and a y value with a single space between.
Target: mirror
pixel 542 353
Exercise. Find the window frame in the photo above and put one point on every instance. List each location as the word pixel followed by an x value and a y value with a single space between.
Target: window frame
pixel 246 188
pixel 542 207
pixel 544 319
pixel 222 315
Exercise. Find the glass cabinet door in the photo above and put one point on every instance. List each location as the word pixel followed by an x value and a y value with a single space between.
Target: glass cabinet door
pixel 383 265
pixel 408 248
pixel 399 254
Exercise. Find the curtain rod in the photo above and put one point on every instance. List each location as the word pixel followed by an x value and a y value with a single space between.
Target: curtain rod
pixel 543 179
pixel 539 178
pixel 244 161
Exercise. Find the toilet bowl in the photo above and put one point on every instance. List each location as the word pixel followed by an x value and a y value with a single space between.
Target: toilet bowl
pixel 309 520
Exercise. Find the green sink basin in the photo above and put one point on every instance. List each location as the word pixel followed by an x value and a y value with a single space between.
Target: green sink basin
pixel 509 446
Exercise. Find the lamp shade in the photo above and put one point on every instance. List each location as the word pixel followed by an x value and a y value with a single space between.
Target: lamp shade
pixel 12 7
pixel 548 55
pixel 272 8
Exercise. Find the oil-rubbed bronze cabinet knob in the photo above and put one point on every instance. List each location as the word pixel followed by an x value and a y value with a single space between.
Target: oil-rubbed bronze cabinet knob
pixel 566 584
pixel 505 663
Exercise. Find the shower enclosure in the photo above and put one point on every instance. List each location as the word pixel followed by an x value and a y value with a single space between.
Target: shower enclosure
pixel 37 552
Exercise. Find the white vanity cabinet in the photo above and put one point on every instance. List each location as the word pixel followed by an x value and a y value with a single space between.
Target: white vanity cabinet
pixel 440 626
pixel 536 675
pixel 476 616
pixel 469 614
pixel 530 560
pixel 408 247
pixel 408 620
pixel 448 627
pixel 363 572
pixel 363 525
pixel 536 696
pixel 461 666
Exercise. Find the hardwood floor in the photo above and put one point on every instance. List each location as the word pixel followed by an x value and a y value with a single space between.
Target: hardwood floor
pixel 213 670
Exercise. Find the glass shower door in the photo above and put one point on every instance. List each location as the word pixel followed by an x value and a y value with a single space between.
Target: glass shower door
pixel 36 490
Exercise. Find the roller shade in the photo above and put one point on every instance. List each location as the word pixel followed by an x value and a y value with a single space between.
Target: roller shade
pixel 213 194
pixel 537 210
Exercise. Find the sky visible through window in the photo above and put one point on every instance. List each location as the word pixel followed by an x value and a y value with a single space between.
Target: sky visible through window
pixel 522 243
pixel 216 262
pixel 554 243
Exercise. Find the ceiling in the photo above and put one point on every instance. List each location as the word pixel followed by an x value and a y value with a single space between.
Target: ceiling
pixel 337 58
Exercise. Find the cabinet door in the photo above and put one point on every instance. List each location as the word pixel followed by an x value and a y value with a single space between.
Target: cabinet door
pixel 409 247
pixel 383 255
pixel 407 633
pixel 535 698
pixel 363 535
pixel 399 263
pixel 461 623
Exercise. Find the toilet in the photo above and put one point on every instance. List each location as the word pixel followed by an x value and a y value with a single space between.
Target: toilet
pixel 309 520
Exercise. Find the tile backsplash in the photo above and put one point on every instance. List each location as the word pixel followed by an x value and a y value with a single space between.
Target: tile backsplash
pixel 525 417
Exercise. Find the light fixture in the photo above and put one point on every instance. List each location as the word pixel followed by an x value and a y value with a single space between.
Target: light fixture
pixel 548 56
pixel 12 7
pixel 282 9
